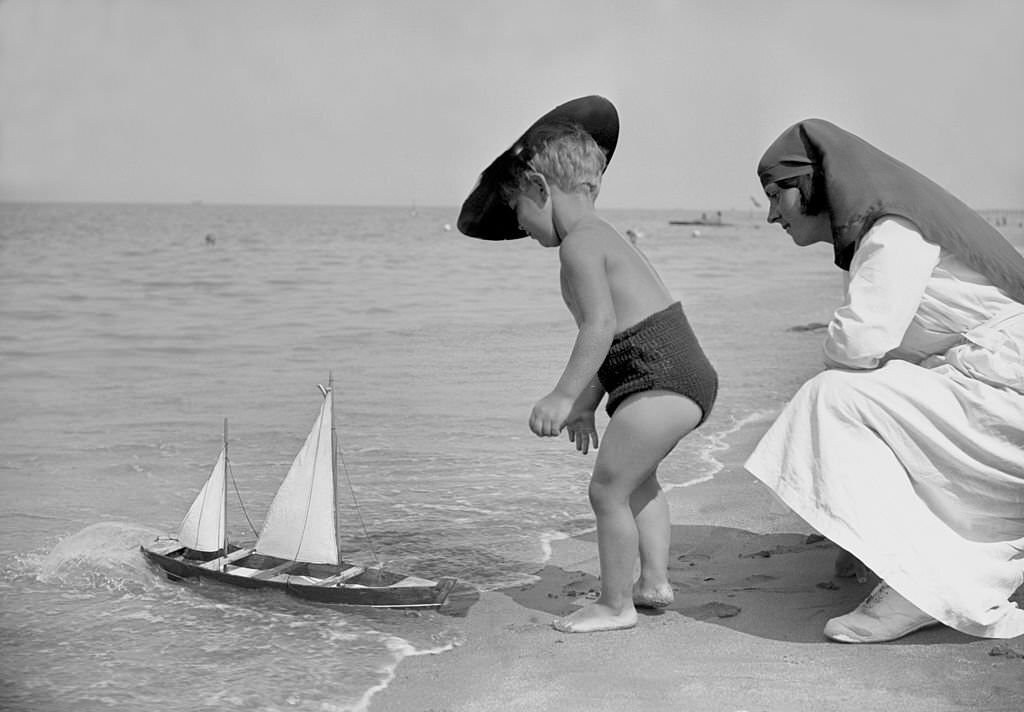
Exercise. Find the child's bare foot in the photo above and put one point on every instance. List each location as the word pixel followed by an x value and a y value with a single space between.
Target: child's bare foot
pixel 652 596
pixel 596 617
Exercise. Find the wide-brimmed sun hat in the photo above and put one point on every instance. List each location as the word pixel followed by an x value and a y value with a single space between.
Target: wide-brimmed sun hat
pixel 485 214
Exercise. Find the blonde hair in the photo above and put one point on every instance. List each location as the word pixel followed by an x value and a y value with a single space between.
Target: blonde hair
pixel 562 152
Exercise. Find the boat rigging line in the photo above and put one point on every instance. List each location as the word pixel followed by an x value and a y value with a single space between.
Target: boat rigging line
pixel 359 513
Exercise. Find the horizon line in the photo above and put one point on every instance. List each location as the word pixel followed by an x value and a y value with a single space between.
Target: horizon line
pixel 405 206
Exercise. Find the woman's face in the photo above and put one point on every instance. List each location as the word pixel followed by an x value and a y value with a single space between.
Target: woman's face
pixel 784 208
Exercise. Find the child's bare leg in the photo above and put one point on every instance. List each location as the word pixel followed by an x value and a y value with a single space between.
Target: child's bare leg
pixel 650 511
pixel 643 430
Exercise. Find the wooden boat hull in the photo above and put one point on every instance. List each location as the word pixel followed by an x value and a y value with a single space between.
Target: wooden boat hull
pixel 351 586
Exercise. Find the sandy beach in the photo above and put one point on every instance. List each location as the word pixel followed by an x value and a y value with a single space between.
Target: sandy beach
pixel 754 586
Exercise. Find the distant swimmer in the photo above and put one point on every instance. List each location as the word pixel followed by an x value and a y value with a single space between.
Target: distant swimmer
pixel 210 239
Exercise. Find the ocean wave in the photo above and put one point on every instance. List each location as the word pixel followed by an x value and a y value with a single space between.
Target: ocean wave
pixel 712 444
pixel 717 442
pixel 401 649
pixel 103 556
pixel 547 540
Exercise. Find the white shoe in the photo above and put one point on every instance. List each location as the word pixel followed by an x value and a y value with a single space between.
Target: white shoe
pixel 884 615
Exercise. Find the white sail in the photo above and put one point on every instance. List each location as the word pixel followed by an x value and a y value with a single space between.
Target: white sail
pixel 301 524
pixel 203 526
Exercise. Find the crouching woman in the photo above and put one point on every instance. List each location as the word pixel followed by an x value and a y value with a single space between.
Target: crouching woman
pixel 908 450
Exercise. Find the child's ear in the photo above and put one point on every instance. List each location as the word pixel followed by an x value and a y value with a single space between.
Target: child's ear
pixel 537 187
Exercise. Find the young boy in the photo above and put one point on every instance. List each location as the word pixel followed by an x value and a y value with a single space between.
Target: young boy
pixel 634 343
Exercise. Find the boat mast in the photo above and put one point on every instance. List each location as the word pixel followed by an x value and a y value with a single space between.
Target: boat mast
pixel 334 468
pixel 224 501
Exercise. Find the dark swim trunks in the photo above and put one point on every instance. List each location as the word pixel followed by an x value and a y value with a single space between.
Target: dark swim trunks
pixel 660 352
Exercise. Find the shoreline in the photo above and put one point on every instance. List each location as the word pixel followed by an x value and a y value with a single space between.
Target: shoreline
pixel 746 431
pixel 754 588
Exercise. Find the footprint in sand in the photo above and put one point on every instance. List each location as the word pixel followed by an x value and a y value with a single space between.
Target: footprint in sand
pixel 712 610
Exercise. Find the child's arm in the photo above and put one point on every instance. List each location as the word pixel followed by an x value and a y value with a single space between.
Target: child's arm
pixel 583 271
pixel 581 424
pixel 591 396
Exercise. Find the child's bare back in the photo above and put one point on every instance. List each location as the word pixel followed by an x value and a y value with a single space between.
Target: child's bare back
pixel 635 288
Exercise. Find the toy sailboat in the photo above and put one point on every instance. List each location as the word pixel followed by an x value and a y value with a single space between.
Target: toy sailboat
pixel 297 549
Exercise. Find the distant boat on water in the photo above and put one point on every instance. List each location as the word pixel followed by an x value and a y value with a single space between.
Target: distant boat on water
pixel 704 220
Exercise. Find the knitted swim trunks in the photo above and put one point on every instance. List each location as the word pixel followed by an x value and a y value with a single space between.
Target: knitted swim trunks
pixel 660 352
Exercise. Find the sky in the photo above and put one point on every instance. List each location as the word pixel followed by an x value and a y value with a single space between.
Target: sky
pixel 404 102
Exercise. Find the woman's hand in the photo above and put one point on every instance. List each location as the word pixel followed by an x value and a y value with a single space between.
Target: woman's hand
pixel 848 565
pixel 582 428
pixel 550 414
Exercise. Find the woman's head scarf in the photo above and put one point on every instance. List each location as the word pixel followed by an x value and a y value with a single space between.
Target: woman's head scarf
pixel 863 184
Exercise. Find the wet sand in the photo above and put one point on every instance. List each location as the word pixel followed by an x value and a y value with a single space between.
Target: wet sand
pixel 754 587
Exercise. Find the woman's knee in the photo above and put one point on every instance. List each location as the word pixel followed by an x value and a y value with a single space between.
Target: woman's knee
pixel 835 388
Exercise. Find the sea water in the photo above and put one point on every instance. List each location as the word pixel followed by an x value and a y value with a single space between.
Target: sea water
pixel 129 332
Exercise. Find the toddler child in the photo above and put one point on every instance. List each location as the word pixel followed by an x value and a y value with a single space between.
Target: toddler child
pixel 633 343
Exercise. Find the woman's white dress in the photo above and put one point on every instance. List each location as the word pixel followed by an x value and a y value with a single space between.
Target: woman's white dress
pixel 908 451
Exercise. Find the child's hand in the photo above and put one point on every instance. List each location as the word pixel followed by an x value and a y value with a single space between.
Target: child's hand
pixel 582 429
pixel 549 415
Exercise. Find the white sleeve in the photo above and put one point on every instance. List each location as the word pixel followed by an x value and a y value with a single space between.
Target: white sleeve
pixel 887 279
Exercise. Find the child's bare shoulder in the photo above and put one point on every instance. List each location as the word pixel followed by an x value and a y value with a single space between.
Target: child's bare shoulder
pixel 593 239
